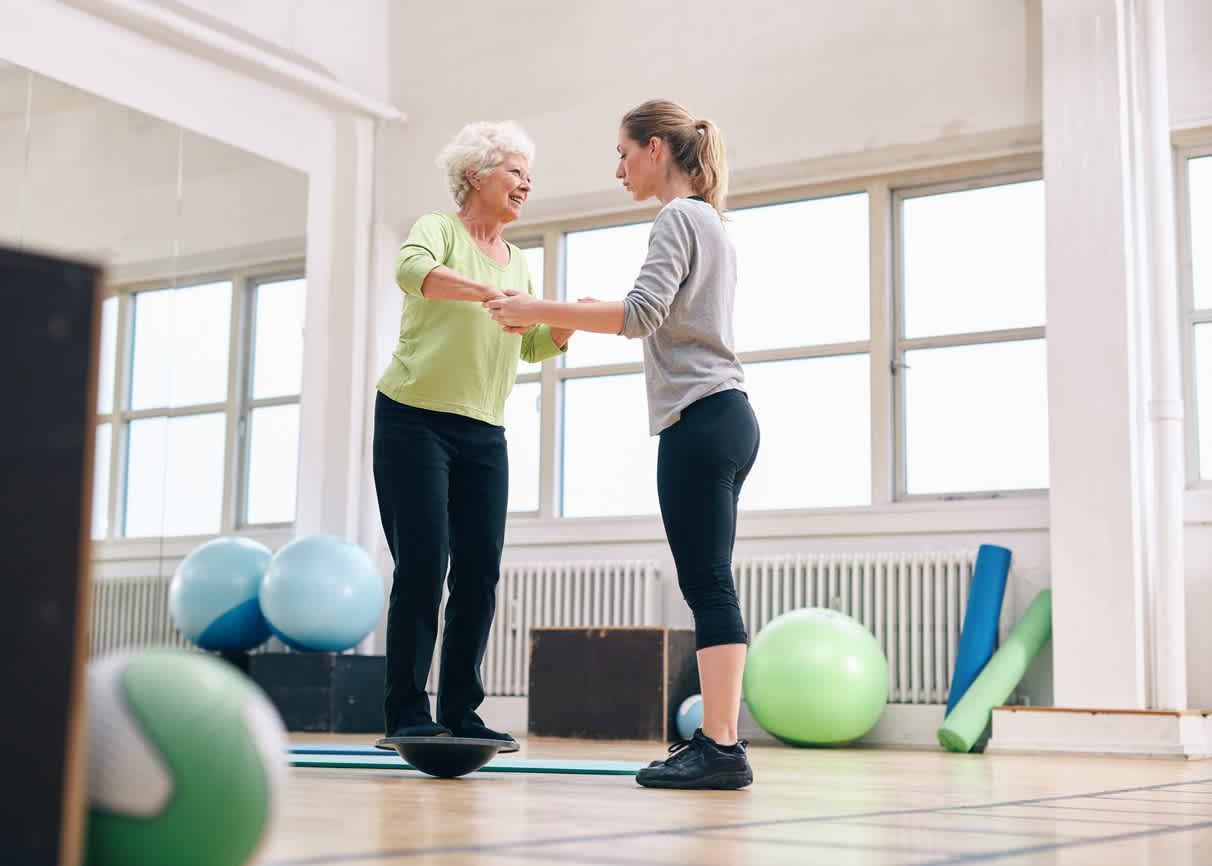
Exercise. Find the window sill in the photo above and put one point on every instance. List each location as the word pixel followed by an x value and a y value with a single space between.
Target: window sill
pixel 1197 506
pixel 139 557
pixel 1026 513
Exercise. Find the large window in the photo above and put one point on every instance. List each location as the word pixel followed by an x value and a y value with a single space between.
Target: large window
pixel 198 406
pixel 801 327
pixel 893 343
pixel 972 350
pixel 608 458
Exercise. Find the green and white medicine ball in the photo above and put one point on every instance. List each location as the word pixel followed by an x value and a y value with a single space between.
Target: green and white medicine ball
pixel 186 762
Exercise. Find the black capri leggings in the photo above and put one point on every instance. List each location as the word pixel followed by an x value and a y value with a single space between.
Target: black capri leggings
pixel 702 462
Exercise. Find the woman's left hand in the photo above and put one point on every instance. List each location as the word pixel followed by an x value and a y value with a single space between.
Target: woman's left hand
pixel 514 309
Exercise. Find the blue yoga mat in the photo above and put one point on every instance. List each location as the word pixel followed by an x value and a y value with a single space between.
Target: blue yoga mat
pixel 372 758
pixel 978 637
pixel 337 749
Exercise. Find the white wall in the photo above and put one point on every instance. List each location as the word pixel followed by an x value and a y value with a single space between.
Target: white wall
pixel 346 40
pixel 785 82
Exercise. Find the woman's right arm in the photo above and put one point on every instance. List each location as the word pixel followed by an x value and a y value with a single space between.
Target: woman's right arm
pixel 443 284
pixel 419 268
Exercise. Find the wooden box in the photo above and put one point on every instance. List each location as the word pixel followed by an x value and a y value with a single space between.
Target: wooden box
pixel 610 683
pixel 323 692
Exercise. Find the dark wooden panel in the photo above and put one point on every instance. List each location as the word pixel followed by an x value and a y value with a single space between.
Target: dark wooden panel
pixel 357 694
pixel 48 350
pixel 600 683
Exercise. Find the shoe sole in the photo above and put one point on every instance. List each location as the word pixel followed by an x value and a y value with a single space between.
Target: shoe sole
pixel 714 782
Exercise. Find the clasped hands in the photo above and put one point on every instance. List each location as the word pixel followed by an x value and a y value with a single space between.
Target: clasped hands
pixel 513 310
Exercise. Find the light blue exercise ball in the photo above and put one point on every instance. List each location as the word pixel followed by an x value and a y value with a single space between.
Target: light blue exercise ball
pixel 213 594
pixel 690 716
pixel 322 593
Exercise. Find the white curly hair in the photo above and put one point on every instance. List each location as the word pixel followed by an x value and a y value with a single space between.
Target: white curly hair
pixel 480 147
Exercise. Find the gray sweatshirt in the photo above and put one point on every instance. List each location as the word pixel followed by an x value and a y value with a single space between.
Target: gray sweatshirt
pixel 682 303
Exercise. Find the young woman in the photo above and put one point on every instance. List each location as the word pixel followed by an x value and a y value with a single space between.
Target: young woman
pixel 681 305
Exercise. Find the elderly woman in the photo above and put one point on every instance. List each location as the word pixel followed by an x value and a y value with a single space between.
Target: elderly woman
pixel 440 462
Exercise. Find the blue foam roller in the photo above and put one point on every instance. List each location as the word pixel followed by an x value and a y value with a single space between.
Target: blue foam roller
pixel 978 637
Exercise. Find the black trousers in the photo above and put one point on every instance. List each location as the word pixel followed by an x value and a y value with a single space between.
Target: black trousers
pixel 702 461
pixel 442 482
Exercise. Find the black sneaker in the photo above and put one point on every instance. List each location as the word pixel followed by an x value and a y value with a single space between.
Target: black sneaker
pixel 483 732
pixel 699 762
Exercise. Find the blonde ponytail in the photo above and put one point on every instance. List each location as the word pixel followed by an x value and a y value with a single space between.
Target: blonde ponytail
pixel 711 179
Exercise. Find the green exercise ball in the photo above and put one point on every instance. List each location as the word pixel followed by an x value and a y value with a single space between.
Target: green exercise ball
pixel 186 763
pixel 816 677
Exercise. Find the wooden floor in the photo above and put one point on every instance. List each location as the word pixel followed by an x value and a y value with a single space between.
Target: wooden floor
pixel 807 806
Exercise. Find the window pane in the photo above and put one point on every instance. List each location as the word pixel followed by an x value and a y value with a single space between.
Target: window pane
pixel 815 419
pixel 522 435
pixel 603 264
pixel 976 418
pixel 974 260
pixel 273 464
pixel 534 264
pixel 101 455
pixel 1203 397
pixel 174 475
pixel 109 354
pixel 278 341
pixel 609 458
pixel 181 346
pixel 1199 174
pixel 803 273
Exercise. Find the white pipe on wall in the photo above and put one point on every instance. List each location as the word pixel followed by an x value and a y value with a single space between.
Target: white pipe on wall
pixel 1157 284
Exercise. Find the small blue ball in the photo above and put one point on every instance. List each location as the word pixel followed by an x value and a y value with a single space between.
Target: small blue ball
pixel 322 593
pixel 213 594
pixel 690 716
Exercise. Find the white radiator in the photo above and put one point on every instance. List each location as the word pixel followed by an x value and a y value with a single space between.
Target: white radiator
pixel 913 603
pixel 131 612
pixel 597 593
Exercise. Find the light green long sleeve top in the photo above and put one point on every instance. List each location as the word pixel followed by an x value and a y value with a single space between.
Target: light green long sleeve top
pixel 451 355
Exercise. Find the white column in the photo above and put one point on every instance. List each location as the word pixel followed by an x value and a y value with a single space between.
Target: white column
pixel 1113 374
pixel 332 477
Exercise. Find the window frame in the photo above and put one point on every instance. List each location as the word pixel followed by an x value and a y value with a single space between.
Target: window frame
pixel 526 242
pixel 903 344
pixel 237 408
pixel 1191 316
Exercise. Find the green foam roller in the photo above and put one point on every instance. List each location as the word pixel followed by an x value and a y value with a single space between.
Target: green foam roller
pixel 970 716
